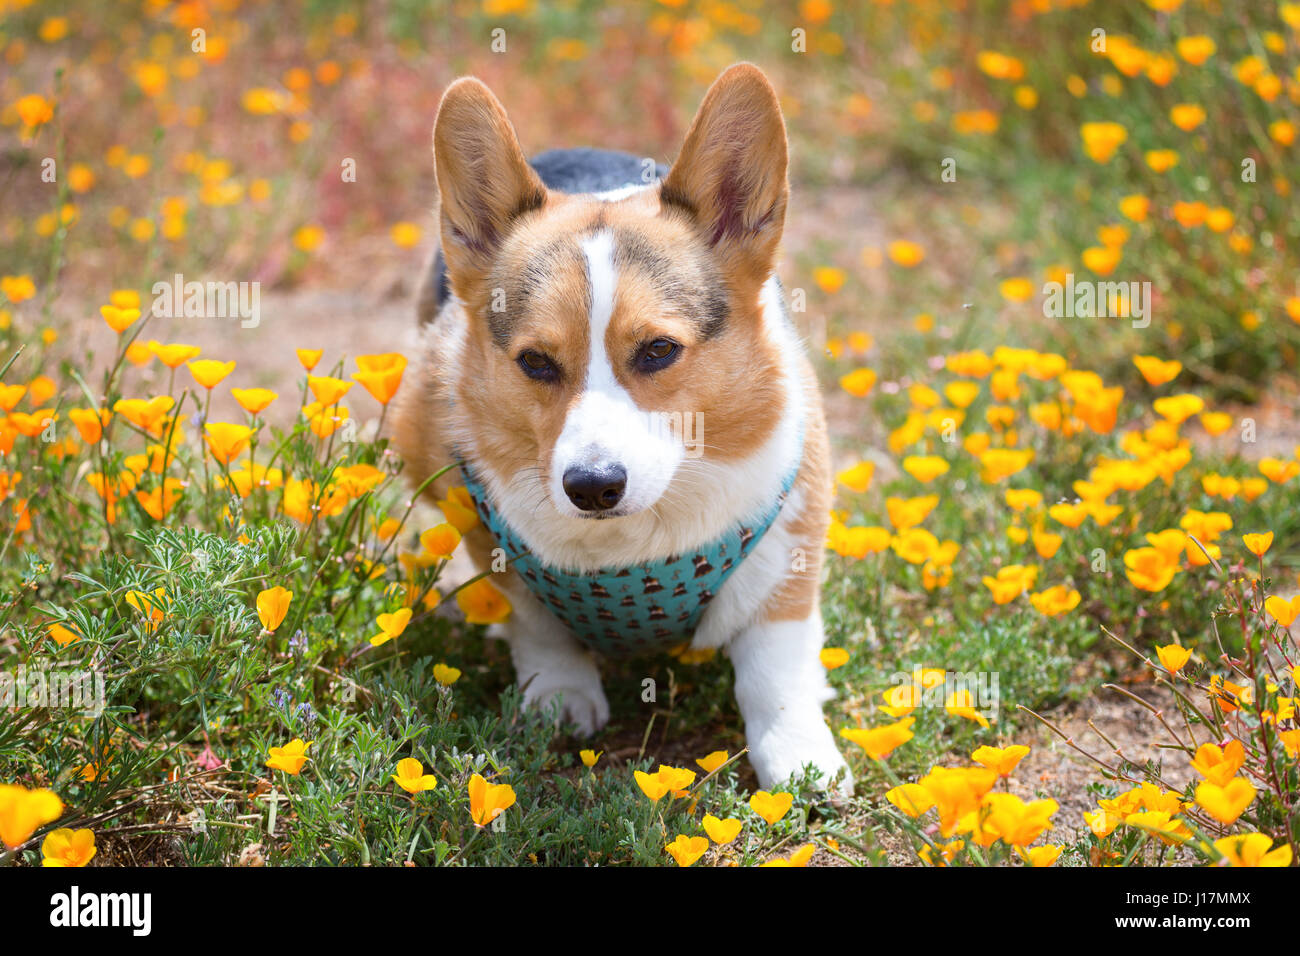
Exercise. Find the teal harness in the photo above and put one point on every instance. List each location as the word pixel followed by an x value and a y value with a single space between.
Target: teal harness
pixel 639 609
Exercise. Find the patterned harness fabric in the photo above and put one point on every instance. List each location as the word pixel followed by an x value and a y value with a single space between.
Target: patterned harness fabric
pixel 634 610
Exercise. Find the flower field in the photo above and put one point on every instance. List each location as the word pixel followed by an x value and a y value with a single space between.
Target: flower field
pixel 1045 251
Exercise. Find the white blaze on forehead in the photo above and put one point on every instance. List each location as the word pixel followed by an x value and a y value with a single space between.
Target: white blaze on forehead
pixel 601 274
pixel 605 426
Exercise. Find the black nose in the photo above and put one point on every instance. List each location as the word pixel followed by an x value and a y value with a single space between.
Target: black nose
pixel 595 489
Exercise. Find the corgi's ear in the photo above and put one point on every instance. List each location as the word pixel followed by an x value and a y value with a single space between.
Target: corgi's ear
pixel 731 173
pixel 484 182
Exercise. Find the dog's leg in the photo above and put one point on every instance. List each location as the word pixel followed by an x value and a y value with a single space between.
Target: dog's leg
pixel 550 663
pixel 780 687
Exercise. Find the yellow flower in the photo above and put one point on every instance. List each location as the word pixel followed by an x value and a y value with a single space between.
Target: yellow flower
pixel 159 501
pixel 209 372
pixel 1155 370
pixel 652 785
pixel 1189 215
pixel 1228 696
pixel 67 848
pixel 61 635
pixel 925 468
pixel 721 831
pixel 380 375
pixel 907 513
pixel 1187 116
pixel 1002 760
pixel 405 234
pixel 290 757
pixel 23 812
pixel 856 542
pixel 1000 463
pixel 309 357
pixel 327 390
pixel 411 777
pixel 713 761
pixel 458 508
pixel 1283 611
pixel 828 278
pixel 915 545
pixel 686 850
pixel 482 603
pixel 1195 49
pixel 272 606
pixel 961 703
pixel 799 857
pixel 119 320
pixel 1225 803
pixel 225 440
pixel 1258 544
pixel 1101 140
pixel 308 238
pixel 175 355
pixel 1252 849
pixel 152 606
pixel 1135 207
pixel 1047 544
pixel 833 657
pixel 1040 856
pixel 858 382
pixel 34 110
pixel 391 626
pixel 1004 816
pixel 254 400
pixel 1163 824
pixel 1010 582
pixel 1149 568
pixel 880 742
pixel 440 541
pixel 1219 765
pixel 487 801
pixel 1173 657
pixel 589 757
pixel 961 394
pixel 857 478
pixel 1021 498
pixel 90 423
pixel 956 792
pixel 905 253
pixel 771 806
pixel 911 798
pixel 1055 600
pixel 445 674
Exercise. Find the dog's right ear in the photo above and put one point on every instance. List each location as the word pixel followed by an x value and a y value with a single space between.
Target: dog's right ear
pixel 484 182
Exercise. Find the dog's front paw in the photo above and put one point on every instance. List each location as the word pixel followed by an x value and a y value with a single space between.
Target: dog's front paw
pixel 783 751
pixel 582 704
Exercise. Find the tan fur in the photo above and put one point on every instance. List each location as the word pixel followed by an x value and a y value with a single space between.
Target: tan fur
pixel 718 222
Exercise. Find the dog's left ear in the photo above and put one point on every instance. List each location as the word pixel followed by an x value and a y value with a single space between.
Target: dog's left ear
pixel 731 173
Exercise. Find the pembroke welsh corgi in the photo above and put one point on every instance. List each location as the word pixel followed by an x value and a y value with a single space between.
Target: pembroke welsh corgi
pixel 606 354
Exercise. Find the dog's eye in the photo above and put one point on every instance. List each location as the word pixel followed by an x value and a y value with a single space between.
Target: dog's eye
pixel 538 366
pixel 658 354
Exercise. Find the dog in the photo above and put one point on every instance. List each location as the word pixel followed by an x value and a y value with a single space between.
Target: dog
pixel 578 303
